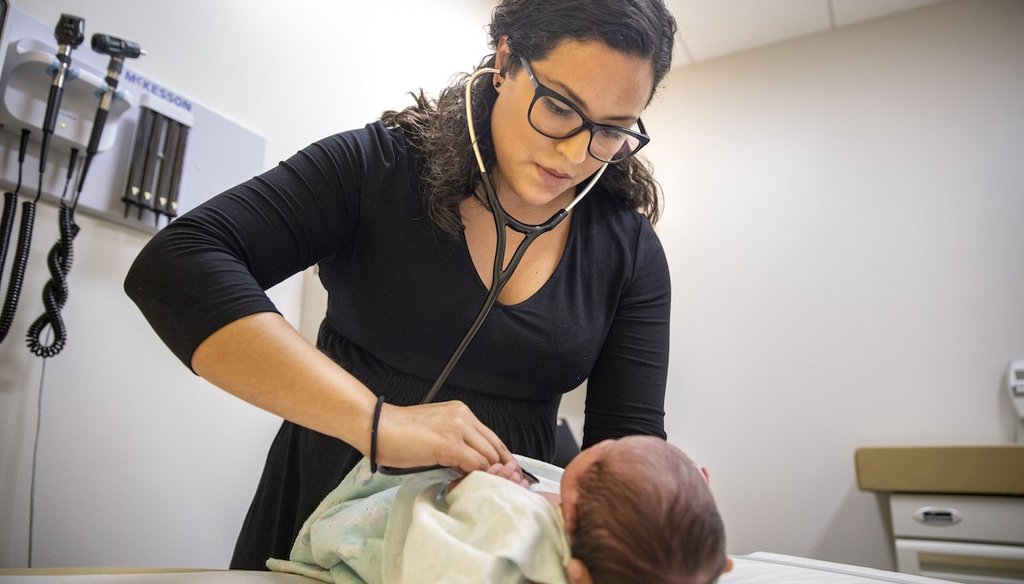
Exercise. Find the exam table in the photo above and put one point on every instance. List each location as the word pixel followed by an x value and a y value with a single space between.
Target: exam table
pixel 756 568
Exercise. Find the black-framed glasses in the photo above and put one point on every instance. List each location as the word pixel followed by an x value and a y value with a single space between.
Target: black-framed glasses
pixel 556 117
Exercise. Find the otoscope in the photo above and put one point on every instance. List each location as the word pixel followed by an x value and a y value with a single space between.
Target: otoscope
pixel 55 293
pixel 70 32
pixel 118 50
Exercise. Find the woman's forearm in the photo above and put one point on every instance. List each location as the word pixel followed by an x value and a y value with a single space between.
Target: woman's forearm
pixel 261 359
pixel 264 361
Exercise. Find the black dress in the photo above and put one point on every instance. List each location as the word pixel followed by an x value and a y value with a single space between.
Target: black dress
pixel 401 295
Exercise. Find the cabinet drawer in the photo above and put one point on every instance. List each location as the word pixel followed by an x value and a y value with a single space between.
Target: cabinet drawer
pixel 959 517
pixel 971 563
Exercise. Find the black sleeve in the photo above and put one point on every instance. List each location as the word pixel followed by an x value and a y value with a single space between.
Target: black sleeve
pixel 211 266
pixel 626 389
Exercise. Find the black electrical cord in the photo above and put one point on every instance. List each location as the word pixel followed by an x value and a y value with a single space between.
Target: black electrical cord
pixel 55 292
pixel 35 460
pixel 24 241
pixel 11 204
pixel 7 226
pixel 70 32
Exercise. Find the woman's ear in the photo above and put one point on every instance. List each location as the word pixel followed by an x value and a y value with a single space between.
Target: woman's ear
pixel 501 60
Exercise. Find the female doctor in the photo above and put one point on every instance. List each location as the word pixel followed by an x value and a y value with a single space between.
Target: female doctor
pixel 397 216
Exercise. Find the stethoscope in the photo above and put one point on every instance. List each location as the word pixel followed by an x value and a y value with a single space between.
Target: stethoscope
pixel 501 273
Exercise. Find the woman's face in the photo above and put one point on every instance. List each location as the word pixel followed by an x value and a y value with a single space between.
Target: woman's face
pixel 537 175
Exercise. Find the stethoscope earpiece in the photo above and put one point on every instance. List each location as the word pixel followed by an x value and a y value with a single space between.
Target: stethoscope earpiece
pixel 502 220
pixel 501 273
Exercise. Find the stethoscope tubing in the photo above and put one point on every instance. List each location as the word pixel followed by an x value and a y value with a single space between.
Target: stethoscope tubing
pixel 500 273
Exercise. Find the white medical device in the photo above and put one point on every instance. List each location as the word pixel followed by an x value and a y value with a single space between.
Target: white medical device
pixel 1015 387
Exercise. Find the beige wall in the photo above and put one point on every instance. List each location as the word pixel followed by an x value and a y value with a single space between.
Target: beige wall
pixel 141 463
pixel 842 224
pixel 845 229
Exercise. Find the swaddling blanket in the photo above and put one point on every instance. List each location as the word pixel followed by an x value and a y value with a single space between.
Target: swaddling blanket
pixel 376 528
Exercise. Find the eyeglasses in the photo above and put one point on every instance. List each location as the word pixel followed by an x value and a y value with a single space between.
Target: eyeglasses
pixel 556 117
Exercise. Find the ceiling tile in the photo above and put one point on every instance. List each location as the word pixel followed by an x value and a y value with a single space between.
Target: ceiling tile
pixel 854 11
pixel 714 28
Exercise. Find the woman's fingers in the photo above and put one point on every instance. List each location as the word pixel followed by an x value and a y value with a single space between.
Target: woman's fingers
pixel 504 454
pixel 445 433
pixel 481 440
pixel 509 470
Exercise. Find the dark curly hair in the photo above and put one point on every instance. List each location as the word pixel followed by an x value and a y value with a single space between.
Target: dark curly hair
pixel 645 514
pixel 642 28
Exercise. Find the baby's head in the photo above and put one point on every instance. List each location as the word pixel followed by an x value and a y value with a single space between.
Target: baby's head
pixel 644 513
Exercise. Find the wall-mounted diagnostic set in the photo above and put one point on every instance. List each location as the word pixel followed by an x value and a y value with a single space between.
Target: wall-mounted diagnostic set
pixel 72 110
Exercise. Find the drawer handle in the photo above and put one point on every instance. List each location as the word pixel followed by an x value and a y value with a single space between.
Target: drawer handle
pixel 939 516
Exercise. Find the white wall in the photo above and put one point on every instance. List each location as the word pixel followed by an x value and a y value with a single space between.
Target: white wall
pixel 140 463
pixel 842 225
pixel 844 229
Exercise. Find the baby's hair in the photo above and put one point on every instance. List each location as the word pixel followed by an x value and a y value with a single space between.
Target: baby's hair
pixel 645 514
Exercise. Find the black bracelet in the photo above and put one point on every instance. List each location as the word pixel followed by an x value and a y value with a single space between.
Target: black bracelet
pixel 373 433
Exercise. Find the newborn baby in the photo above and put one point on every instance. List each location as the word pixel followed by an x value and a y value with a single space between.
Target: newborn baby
pixel 630 510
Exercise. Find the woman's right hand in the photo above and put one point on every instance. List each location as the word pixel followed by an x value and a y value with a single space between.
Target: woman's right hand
pixel 444 433
pixel 263 360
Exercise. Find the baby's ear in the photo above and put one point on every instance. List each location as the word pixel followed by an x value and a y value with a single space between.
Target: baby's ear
pixel 568 504
pixel 578 573
pixel 728 565
pixel 707 476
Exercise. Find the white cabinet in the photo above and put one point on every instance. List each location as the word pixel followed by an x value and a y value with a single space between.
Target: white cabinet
pixel 963 538
pixel 957 510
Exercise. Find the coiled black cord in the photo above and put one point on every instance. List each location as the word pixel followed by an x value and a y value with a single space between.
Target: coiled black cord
pixel 11 204
pixel 6 229
pixel 28 216
pixel 55 292
pixel 7 226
